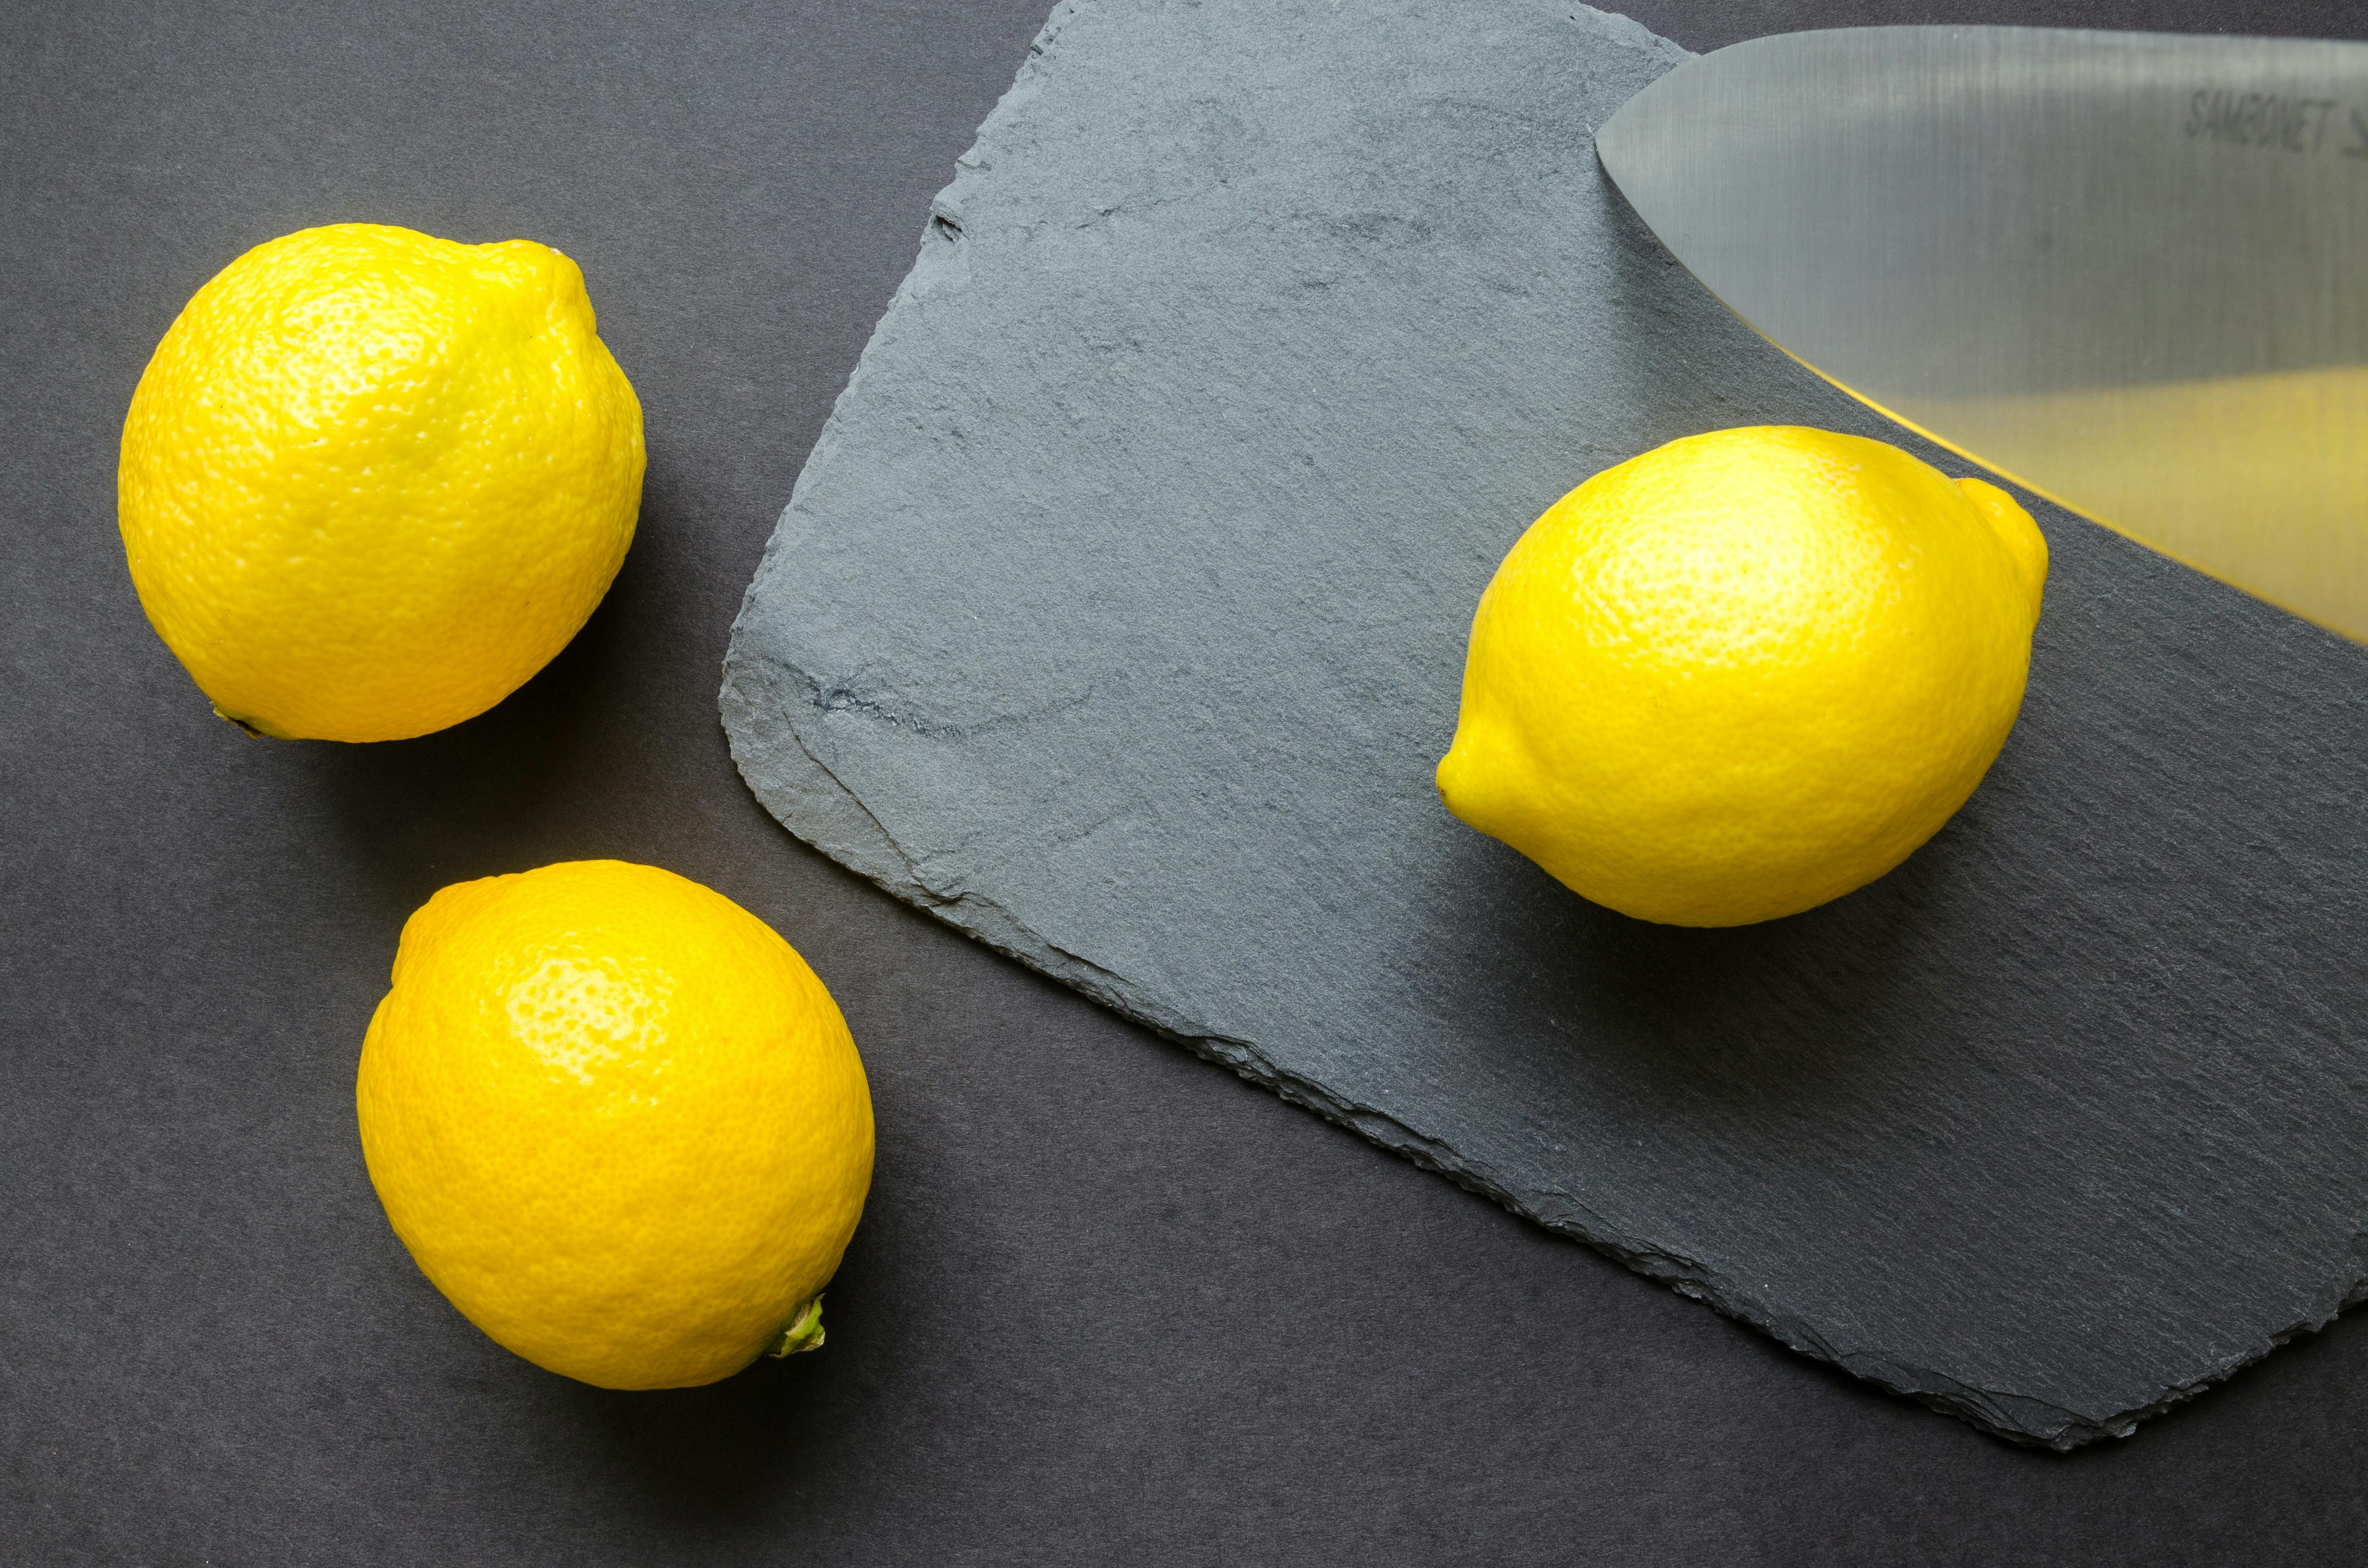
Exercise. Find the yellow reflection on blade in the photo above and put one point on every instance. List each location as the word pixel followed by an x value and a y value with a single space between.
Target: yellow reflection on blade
pixel 2258 480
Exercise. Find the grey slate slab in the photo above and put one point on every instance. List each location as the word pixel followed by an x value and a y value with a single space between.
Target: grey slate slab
pixel 1118 619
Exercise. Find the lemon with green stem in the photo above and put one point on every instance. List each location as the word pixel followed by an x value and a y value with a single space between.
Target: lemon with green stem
pixel 617 1120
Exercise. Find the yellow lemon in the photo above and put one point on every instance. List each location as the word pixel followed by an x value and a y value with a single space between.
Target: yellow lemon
pixel 617 1120
pixel 1745 673
pixel 372 481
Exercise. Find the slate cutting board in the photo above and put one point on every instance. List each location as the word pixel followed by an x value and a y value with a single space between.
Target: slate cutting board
pixel 1118 619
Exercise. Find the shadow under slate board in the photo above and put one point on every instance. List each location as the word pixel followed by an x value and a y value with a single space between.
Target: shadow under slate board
pixel 1118 619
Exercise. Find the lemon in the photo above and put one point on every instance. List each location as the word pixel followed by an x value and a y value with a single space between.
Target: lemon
pixel 372 481
pixel 618 1121
pixel 1745 673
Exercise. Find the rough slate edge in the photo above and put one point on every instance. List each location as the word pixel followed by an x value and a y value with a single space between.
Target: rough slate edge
pixel 808 799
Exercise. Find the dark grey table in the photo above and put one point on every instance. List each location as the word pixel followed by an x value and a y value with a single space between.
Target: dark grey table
pixel 1108 1303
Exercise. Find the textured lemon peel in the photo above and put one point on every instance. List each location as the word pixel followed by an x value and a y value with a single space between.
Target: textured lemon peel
pixel 627 1238
pixel 370 481
pixel 1745 673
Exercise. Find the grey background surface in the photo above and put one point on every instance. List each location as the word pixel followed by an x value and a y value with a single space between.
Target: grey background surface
pixel 1108 1299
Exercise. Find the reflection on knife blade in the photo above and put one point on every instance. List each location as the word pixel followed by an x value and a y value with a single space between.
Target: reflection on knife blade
pixel 2123 269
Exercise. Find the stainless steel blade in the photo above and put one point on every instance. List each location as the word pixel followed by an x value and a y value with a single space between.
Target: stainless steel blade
pixel 2126 270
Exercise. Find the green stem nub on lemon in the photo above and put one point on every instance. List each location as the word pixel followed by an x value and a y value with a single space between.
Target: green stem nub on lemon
pixel 1745 673
pixel 804 1332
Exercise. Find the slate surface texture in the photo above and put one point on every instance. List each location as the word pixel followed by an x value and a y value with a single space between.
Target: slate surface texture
pixel 1109 1304
pixel 1118 619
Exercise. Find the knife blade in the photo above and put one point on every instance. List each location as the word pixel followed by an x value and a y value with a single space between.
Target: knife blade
pixel 2128 271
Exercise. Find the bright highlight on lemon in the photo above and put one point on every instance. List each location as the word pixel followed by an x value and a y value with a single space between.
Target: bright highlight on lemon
pixel 1745 673
pixel 371 481
pixel 618 1121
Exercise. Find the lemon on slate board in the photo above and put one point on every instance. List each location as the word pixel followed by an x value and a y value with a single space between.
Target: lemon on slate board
pixel 618 1121
pixel 372 481
pixel 1745 673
